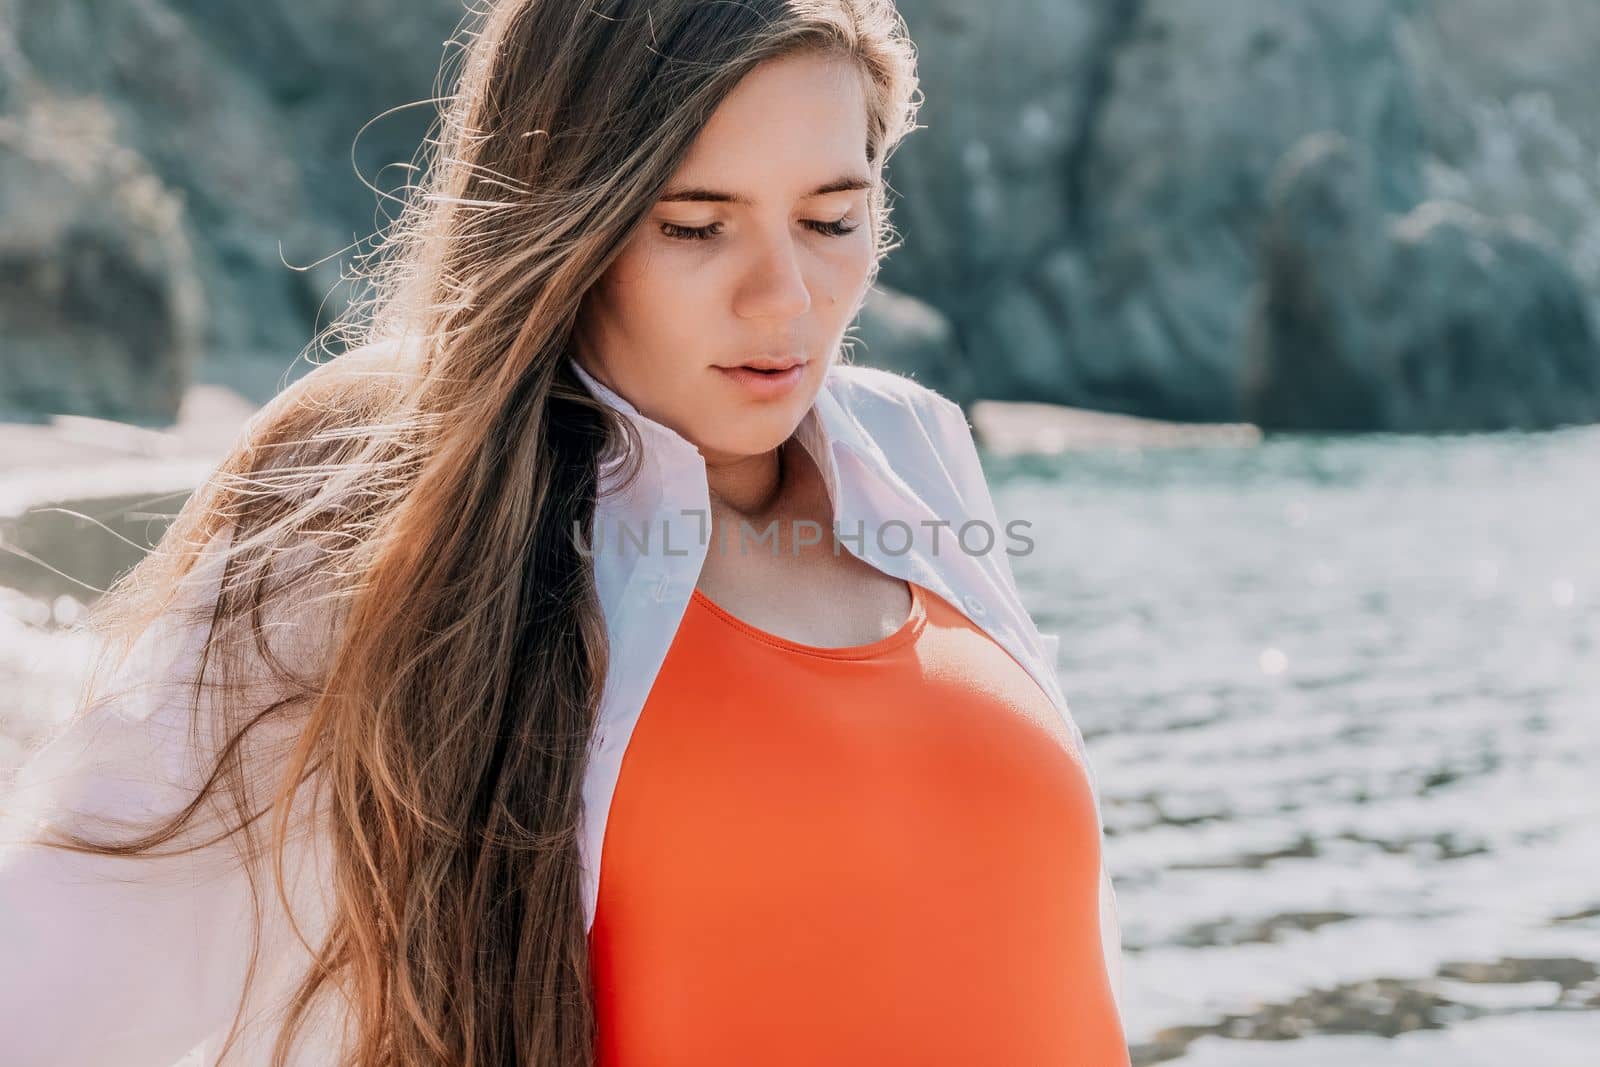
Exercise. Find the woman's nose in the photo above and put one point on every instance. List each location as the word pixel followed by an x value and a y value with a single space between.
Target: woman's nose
pixel 774 287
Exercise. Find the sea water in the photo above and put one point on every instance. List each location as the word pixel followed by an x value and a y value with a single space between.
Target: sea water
pixel 1342 697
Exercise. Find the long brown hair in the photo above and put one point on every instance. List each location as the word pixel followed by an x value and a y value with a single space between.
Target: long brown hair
pixel 400 625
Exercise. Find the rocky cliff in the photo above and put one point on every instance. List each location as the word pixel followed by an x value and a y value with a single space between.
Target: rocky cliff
pixel 1320 214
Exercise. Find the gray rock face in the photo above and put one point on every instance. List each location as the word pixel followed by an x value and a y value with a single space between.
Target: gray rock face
pixel 100 310
pixel 1312 360
pixel 247 112
pixel 1437 319
pixel 1119 274
pixel 1127 292
pixel 1512 110
pixel 1496 334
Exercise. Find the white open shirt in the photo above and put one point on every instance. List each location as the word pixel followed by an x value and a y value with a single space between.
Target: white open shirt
pixel 139 964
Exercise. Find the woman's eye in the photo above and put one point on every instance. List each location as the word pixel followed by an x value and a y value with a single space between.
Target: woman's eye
pixel 836 228
pixel 688 233
pixel 831 229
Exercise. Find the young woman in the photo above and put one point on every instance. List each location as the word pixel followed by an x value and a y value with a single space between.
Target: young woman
pixel 592 481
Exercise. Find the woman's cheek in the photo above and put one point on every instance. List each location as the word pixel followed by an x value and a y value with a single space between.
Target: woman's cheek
pixel 855 266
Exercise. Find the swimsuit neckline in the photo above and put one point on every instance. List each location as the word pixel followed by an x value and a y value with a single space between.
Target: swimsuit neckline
pixel 907 631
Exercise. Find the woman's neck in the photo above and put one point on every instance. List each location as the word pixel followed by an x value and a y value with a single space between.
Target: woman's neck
pixel 783 514
pixel 748 487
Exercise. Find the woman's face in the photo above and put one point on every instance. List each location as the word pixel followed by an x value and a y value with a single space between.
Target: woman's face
pixel 758 249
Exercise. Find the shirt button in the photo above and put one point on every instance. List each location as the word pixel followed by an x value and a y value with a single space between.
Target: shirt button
pixel 975 606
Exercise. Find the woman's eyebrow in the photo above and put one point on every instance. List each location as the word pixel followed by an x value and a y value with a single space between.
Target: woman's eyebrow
pixel 843 184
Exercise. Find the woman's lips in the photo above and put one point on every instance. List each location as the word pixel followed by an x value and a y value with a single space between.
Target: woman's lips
pixel 764 384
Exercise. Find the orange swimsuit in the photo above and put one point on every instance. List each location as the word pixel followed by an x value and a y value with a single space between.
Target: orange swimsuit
pixel 885 853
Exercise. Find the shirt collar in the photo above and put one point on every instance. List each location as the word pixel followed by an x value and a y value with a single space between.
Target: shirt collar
pixel 826 424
